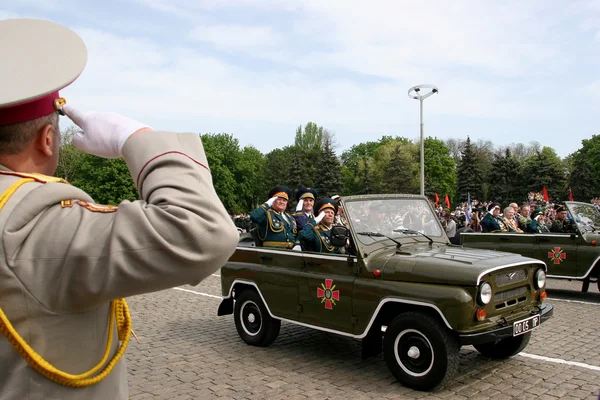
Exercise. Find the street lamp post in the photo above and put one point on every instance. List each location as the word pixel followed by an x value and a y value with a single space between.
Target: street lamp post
pixel 419 96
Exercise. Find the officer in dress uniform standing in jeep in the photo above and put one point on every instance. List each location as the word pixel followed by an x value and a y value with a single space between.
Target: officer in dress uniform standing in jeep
pixel 66 263
pixel 562 223
pixel 276 228
pixel 317 237
pixel 304 210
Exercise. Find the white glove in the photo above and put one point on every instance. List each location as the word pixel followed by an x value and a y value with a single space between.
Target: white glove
pixel 104 133
pixel 271 200
pixel 320 217
pixel 299 206
pixel 297 248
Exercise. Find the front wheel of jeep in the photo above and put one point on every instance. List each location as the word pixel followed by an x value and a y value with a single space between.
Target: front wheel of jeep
pixel 252 320
pixel 504 348
pixel 420 351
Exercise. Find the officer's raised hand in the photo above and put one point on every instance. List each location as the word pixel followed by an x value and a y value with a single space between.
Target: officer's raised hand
pixel 104 133
pixel 271 201
pixel 300 205
pixel 320 217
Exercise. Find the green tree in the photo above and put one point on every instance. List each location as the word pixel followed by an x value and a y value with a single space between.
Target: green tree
pixel 468 174
pixel 585 170
pixel 250 176
pixel 311 138
pixel 505 176
pixel 223 155
pixel 397 163
pixel 106 180
pixel 440 169
pixel 546 169
pixel 70 157
pixel 328 179
pixel 278 164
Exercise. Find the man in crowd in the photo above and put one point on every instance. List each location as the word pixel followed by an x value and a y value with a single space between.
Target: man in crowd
pixel 276 228
pixel 492 221
pixel 524 217
pixel 317 237
pixel 561 223
pixel 537 224
pixel 66 263
pixel 304 210
pixel 340 218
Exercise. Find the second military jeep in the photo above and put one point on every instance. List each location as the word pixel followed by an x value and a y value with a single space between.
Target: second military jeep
pixel 403 289
pixel 573 256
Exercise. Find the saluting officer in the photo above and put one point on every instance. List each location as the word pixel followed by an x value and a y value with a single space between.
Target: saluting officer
pixel 562 223
pixel 317 237
pixel 304 210
pixel 537 222
pixel 66 263
pixel 492 221
pixel 276 228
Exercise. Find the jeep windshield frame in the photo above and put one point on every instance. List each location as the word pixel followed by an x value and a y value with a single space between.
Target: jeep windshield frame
pixel 386 213
pixel 585 215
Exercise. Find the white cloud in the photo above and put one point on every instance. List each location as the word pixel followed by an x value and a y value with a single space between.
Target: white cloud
pixel 237 37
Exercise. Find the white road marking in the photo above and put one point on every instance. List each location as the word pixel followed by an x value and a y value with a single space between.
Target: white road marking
pixel 574 301
pixel 199 293
pixel 216 275
pixel 559 361
pixel 536 357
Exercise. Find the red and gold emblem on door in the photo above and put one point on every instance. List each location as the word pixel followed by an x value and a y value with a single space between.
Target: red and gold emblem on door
pixel 557 255
pixel 328 294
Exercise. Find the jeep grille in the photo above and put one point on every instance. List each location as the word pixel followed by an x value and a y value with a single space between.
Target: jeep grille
pixel 510 277
pixel 510 297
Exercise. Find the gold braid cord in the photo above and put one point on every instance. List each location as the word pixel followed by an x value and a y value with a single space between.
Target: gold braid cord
pixel 118 311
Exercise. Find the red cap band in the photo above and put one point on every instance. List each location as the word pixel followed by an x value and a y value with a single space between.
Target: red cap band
pixel 33 109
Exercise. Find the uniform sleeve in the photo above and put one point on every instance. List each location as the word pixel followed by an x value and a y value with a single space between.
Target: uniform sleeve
pixel 72 257
pixel 259 215
pixel 308 238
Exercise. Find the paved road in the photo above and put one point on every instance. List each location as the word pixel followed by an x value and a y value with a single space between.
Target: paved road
pixel 187 352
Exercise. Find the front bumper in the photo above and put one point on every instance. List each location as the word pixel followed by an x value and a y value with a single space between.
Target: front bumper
pixel 503 331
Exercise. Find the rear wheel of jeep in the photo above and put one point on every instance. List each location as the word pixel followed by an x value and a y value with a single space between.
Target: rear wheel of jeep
pixel 420 351
pixel 252 320
pixel 504 348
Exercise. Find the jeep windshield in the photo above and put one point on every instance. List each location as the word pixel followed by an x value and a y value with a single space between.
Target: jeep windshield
pixel 387 217
pixel 585 215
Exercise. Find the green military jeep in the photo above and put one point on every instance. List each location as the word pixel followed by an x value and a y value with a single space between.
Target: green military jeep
pixel 573 256
pixel 403 289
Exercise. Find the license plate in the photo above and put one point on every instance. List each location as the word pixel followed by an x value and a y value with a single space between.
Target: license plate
pixel 526 325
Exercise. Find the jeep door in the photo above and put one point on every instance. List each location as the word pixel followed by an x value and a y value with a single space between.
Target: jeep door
pixel 559 252
pixel 325 286
pixel 275 272
pixel 520 243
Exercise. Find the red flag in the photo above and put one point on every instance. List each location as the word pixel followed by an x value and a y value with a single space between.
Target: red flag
pixel 570 195
pixel 447 201
pixel 437 199
pixel 545 194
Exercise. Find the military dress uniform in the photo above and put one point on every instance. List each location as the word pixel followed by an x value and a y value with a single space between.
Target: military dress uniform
pixel 64 260
pixel 494 224
pixel 534 226
pixel 317 237
pixel 275 229
pixel 562 225
pixel 301 216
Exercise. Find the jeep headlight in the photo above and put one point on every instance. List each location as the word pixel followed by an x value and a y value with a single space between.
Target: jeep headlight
pixel 485 293
pixel 539 279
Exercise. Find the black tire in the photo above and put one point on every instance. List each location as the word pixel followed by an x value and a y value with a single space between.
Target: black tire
pixel 504 348
pixel 419 351
pixel 252 320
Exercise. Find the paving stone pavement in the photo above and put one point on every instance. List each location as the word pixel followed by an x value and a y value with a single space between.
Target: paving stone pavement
pixel 188 352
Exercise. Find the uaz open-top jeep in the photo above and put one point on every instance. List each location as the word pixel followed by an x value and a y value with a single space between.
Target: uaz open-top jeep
pixel 573 256
pixel 404 290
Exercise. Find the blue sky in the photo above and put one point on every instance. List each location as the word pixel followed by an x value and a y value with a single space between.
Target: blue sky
pixel 509 72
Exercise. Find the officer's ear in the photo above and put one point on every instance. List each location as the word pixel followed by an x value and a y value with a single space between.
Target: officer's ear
pixel 48 140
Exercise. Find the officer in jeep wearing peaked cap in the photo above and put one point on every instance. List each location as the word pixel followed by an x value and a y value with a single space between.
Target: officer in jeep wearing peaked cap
pixel 317 237
pixel 66 263
pixel 276 227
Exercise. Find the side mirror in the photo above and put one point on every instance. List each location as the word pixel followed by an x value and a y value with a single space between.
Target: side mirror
pixel 339 235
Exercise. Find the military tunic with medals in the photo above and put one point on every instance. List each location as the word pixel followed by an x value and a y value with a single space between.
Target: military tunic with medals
pixel 317 238
pixel 494 223
pixel 275 229
pixel 535 226
pixel 302 217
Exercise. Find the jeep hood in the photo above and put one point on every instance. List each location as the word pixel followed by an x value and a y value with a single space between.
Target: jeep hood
pixel 451 265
